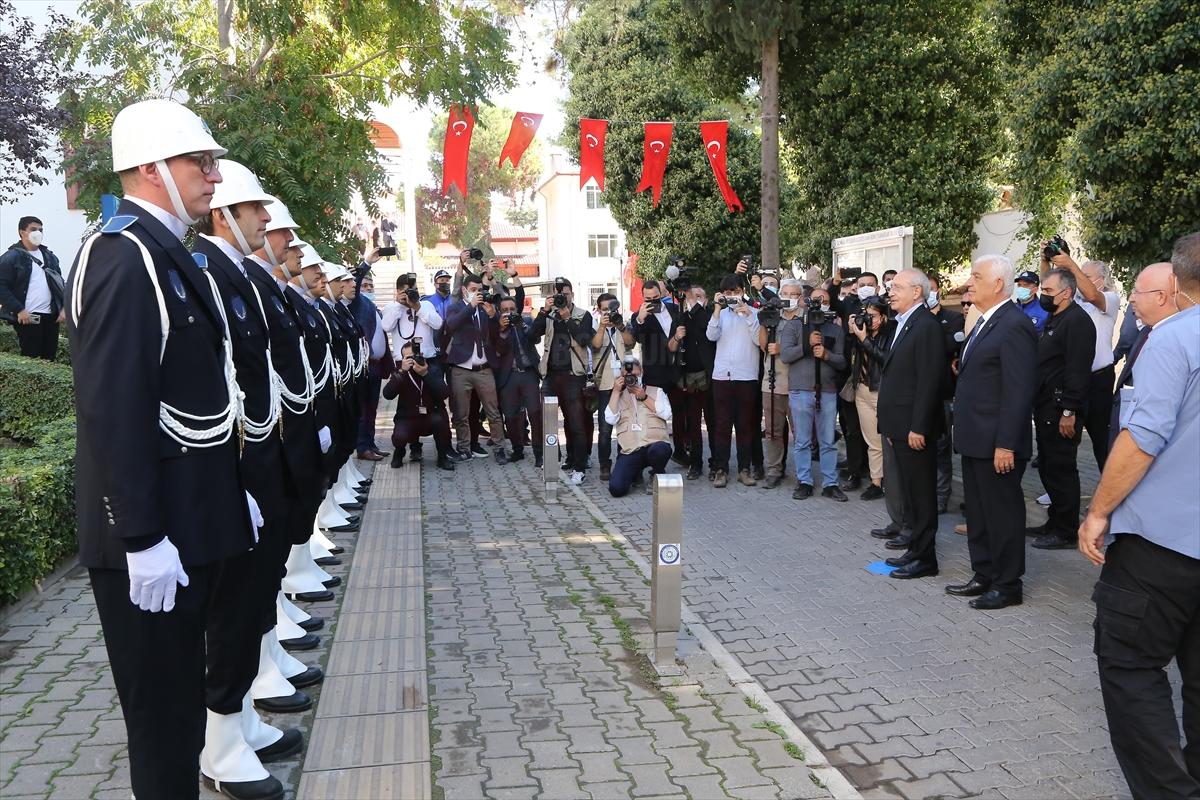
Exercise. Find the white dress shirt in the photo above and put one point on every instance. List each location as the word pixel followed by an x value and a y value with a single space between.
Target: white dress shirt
pixel 1105 322
pixel 978 329
pixel 231 252
pixel 901 319
pixel 173 223
pixel 662 407
pixel 403 325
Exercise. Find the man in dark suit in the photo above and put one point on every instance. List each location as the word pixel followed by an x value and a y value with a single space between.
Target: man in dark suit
pixel 910 416
pixel 993 404
pixel 163 523
pixel 470 356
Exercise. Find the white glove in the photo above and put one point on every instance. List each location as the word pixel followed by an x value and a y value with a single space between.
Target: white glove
pixel 153 575
pixel 256 517
pixel 325 439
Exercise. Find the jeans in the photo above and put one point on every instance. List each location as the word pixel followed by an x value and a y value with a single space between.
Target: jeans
pixel 630 466
pixel 804 411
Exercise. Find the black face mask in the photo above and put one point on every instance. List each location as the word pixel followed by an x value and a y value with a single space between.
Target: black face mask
pixel 1047 302
pixel 443 289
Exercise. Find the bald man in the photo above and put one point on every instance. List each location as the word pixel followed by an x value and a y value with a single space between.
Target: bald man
pixel 1152 301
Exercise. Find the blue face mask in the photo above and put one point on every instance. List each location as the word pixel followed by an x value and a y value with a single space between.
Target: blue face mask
pixel 1023 293
pixel 369 296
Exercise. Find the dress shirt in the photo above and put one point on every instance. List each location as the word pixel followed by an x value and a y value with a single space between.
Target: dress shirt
pixel 1105 322
pixel 173 223
pixel 901 319
pixel 664 321
pixel 1164 421
pixel 231 252
pixel 400 322
pixel 737 345
pixel 662 407
pixel 979 325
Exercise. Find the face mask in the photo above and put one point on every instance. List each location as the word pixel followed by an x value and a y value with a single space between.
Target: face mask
pixel 443 289
pixel 825 307
pixel 866 291
pixel 1023 294
pixel 368 296
pixel 932 300
pixel 35 238
pixel 1047 302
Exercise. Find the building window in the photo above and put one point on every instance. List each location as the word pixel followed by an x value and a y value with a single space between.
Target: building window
pixel 595 198
pixel 602 245
pixel 594 292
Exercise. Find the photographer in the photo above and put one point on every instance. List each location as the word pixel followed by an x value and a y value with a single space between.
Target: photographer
pixel 776 408
pixel 608 351
pixel 657 328
pixel 640 415
pixel 518 380
pixel 734 328
pixel 411 319
pixel 814 353
pixel 420 407
pixel 857 464
pixel 873 331
pixel 693 396
pixel 566 333
pixel 471 354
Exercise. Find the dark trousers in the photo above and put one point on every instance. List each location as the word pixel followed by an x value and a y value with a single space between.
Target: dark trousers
pixel 693 405
pixel 39 340
pixel 893 490
pixel 629 466
pixel 918 485
pixel 1096 419
pixel 1059 471
pixel 856 446
pixel 369 403
pixel 159 667
pixel 1148 612
pixel 734 403
pixel 995 523
pixel 604 444
pixel 757 455
pixel 945 455
pixel 407 430
pixel 569 390
pixel 520 401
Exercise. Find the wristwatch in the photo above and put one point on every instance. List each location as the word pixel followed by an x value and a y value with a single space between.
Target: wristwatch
pixel 1068 413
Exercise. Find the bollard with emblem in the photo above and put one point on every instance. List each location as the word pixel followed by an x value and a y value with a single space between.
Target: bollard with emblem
pixel 550 448
pixel 666 566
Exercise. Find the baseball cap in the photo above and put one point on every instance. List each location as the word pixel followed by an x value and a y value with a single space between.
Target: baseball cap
pixel 441 273
pixel 1029 276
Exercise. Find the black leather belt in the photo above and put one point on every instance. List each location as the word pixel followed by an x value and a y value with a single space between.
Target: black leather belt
pixel 478 368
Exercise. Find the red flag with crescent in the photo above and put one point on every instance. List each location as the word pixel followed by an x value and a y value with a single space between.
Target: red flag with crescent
pixel 714 136
pixel 591 150
pixel 524 126
pixel 455 149
pixel 655 147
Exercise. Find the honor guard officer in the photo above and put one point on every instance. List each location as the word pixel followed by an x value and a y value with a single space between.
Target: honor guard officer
pixel 163 523
pixel 342 347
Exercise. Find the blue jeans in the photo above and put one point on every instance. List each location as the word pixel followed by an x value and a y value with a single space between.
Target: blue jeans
pixel 804 411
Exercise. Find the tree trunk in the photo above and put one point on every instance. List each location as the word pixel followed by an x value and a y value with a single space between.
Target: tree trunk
pixel 224 22
pixel 769 94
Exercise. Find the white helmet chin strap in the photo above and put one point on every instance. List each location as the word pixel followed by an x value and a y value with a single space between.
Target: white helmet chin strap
pixel 237 231
pixel 173 190
pixel 271 257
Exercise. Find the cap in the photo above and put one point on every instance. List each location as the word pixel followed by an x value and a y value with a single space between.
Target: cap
pixel 1029 276
pixel 155 130
pixel 441 273
pixel 240 185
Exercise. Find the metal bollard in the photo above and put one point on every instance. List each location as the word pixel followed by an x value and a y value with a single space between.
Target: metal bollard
pixel 666 566
pixel 550 467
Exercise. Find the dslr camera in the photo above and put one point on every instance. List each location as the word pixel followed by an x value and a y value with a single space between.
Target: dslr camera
pixel 813 313
pixel 413 297
pixel 614 316
pixel 1056 246
pixel 724 301
pixel 560 298
pixel 417 357
pixel 514 319
pixel 768 312
pixel 631 381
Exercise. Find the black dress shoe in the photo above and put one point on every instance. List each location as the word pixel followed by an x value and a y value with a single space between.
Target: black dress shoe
pixel 518 454
pixel 916 569
pixel 310 677
pixel 386 453
pixel 310 597
pixel 872 492
pixel 884 533
pixel 352 506
pixel 537 460
pixel 334 580
pixel 900 561
pixel 446 463
pixel 803 491
pixel 1054 541
pixel 292 704
pixel 308 641
pixel 327 561
pixel 313 623
pixel 347 528
pixel 994 600
pixel 269 788
pixel 972 588
pixel 850 483
pixel 898 543
pixel 397 460
pixel 1035 531
pixel 694 473
pixel 834 493
pixel 289 744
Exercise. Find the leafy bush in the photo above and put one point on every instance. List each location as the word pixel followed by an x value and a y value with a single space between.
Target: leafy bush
pixel 9 344
pixel 33 393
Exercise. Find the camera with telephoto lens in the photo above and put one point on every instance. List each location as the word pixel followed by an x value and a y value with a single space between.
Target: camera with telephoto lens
pixel 413 297
pixel 769 312
pixel 1056 246
pixel 614 306
pixel 631 381
pixel 813 313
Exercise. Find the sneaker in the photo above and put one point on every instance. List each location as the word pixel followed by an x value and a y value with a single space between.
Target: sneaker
pixel 719 479
pixel 693 473
pixel 501 456
pixel 478 451
pixel 537 459
pixel 458 456
pixel 1044 500
pixel 771 481
pixel 872 492
pixel 850 483
pixel 518 454
pixel 745 478
pixel 834 493
pixel 803 491
pixel 576 477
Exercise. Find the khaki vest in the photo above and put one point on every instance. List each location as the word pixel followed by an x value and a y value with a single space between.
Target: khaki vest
pixel 653 427
pixel 602 366
pixel 579 360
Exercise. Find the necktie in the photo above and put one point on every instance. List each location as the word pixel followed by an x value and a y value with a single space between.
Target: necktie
pixel 971 337
pixel 478 335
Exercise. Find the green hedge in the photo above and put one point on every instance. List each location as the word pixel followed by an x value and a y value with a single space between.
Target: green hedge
pixel 9 344
pixel 37 477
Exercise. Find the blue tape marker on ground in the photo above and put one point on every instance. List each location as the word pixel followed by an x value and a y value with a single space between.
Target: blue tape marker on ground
pixel 879 568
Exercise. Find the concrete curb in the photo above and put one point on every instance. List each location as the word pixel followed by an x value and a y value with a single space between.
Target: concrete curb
pixel 814 759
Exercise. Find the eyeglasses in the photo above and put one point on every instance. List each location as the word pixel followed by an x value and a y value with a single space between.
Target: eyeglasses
pixel 206 161
pixel 1147 291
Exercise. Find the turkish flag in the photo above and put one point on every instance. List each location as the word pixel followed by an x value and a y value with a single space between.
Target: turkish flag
pixel 714 135
pixel 655 148
pixel 455 148
pixel 591 150
pixel 519 136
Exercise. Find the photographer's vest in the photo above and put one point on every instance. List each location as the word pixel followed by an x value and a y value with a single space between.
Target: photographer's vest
pixel 653 427
pixel 602 359
pixel 579 353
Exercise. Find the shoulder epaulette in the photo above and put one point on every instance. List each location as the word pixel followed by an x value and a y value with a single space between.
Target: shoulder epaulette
pixel 118 223
pixel 201 260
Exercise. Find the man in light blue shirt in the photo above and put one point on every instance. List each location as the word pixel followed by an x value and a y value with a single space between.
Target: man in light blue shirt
pixel 1148 596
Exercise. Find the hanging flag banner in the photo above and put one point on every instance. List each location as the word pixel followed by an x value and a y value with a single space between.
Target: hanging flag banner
pixel 591 150
pixel 524 126
pixel 455 148
pixel 714 135
pixel 655 148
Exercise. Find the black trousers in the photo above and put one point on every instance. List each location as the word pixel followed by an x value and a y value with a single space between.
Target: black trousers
pixel 39 340
pixel 856 446
pixel 1148 612
pixel 1097 418
pixel 686 419
pixel 159 665
pixel 995 523
pixel 569 390
pixel 945 455
pixel 520 400
pixel 1059 470
pixel 630 466
pixel 408 430
pixel 918 485
pixel 734 404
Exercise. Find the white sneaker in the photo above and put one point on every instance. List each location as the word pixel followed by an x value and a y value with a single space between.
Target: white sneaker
pixel 576 477
pixel 1044 500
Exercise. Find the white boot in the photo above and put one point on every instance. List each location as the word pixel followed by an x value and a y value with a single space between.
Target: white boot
pixel 257 733
pixel 269 682
pixel 322 541
pixel 303 576
pixel 286 609
pixel 286 629
pixel 356 475
pixel 329 515
pixel 318 550
pixel 227 757
pixel 287 665
pixel 344 493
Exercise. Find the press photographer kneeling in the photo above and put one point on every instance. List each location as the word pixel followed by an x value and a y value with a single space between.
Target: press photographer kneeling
pixel 420 407
pixel 639 416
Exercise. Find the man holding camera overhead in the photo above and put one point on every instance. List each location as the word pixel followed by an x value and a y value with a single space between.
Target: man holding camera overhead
pixel 640 415
pixel 566 332
pixel 471 354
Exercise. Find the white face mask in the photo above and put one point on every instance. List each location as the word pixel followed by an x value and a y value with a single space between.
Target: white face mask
pixel 932 300
pixel 35 238
pixel 866 291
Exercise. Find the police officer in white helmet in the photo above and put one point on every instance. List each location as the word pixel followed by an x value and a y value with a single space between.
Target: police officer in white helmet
pixel 164 524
